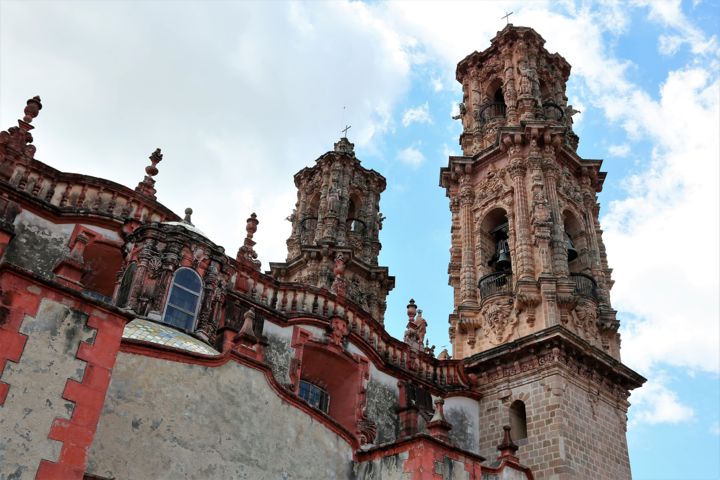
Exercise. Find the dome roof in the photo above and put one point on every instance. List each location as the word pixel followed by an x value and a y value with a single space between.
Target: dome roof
pixel 187 226
pixel 151 332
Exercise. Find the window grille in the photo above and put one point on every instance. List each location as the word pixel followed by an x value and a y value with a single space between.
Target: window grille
pixel 315 396
pixel 184 299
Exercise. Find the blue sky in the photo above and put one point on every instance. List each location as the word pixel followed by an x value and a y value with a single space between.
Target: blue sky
pixel 241 95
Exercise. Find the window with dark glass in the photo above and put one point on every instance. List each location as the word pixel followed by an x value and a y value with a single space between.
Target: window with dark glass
pixel 184 299
pixel 124 291
pixel 314 395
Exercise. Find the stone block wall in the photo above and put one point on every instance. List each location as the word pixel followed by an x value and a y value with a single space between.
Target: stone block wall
pixel 573 432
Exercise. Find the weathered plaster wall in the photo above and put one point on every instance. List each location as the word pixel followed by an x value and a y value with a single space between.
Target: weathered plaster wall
pixel 38 245
pixel 36 384
pixel 464 416
pixel 169 420
pixel 382 403
pixel 278 352
pixel 385 468
pixel 505 474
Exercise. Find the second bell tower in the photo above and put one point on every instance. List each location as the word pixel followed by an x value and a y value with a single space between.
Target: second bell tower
pixel 532 314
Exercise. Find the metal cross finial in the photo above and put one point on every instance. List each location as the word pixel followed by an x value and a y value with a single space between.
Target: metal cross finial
pixel 506 17
pixel 344 130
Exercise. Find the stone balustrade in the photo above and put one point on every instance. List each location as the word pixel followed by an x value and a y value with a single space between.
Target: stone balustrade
pixel 81 195
pixel 294 300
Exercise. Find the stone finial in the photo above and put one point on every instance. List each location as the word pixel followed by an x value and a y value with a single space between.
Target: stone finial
pixel 16 142
pixel 411 330
pixel 188 215
pixel 147 185
pixel 32 109
pixel 411 310
pixel 507 447
pixel 247 330
pixel 246 253
pixel 251 225
pixel 438 426
pixel 444 354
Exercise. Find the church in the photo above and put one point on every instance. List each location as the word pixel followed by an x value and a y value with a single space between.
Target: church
pixel 134 347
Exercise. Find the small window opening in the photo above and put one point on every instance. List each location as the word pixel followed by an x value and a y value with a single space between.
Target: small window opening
pixel 125 284
pixel 518 420
pixel 315 396
pixel 184 299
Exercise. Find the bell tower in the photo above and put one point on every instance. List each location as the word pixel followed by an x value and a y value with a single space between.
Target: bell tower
pixel 532 314
pixel 336 223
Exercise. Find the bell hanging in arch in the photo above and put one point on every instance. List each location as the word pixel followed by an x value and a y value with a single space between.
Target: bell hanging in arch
pixel 572 253
pixel 502 252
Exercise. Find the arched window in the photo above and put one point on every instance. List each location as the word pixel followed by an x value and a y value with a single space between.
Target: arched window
pixel 124 290
pixel 184 299
pixel 518 420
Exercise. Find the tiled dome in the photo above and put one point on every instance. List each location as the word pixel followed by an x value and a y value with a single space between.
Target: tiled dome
pixel 160 334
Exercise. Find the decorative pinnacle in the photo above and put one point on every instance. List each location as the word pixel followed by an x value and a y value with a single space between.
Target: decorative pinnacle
pixel 411 310
pixel 251 226
pixel 32 109
pixel 147 185
pixel 155 158
pixel 188 213
pixel 507 447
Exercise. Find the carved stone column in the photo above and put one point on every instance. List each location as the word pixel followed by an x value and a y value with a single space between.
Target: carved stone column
pixel 468 288
pixel 135 300
pixel 557 243
pixel 523 251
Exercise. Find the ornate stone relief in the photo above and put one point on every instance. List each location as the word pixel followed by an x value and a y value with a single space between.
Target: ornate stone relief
pixel 498 320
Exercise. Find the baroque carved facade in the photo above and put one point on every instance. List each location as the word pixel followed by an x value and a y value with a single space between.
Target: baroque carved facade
pixel 133 346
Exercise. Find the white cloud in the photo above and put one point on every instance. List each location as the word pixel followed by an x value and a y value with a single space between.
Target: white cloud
pixel 411 156
pixel 621 150
pixel 437 84
pixel 419 114
pixel 669 44
pixel 671 206
pixel 669 14
pixel 715 428
pixel 655 403
pixel 237 94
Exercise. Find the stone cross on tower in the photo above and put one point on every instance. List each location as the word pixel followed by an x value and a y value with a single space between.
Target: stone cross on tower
pixel 507 17
pixel 345 130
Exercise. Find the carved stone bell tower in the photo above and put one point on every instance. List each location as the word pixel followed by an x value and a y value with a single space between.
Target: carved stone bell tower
pixel 336 222
pixel 531 281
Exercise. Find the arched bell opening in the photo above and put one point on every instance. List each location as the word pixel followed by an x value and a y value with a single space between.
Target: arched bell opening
pixel 308 224
pixel 353 223
pixel 494 106
pixel 575 243
pixel 578 255
pixel 495 258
